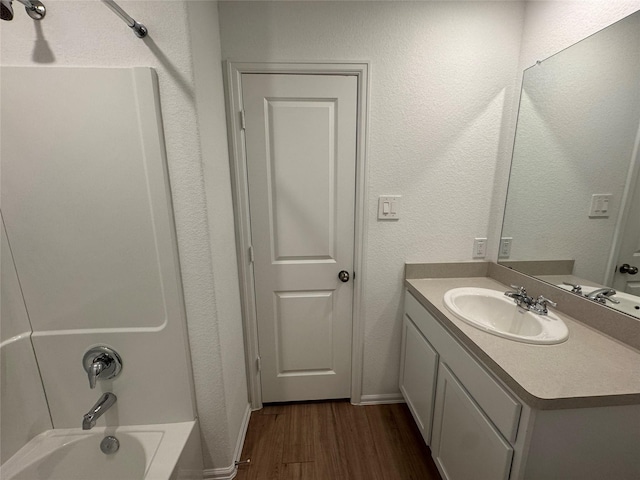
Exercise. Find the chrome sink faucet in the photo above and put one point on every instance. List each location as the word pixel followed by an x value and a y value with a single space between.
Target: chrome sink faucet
pixel 575 288
pixel 527 302
pixel 540 305
pixel 601 295
pixel 520 296
pixel 104 403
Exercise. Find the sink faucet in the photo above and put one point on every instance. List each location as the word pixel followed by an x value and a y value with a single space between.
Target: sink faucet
pixel 520 296
pixel 104 403
pixel 601 295
pixel 526 302
pixel 575 288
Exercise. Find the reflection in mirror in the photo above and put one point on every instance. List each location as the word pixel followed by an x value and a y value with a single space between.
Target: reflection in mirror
pixel 573 204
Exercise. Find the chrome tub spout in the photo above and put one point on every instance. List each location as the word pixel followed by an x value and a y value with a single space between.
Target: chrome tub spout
pixel 104 403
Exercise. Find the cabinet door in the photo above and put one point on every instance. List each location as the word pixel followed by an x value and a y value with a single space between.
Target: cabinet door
pixel 465 444
pixel 418 376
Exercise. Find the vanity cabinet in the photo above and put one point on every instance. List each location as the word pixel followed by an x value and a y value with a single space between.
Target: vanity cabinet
pixel 479 428
pixel 418 376
pixel 462 431
pixel 461 411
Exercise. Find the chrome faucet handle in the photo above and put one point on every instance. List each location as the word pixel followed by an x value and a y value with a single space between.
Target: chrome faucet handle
pixel 101 363
pixel 94 371
pixel 575 288
pixel 540 305
pixel 602 297
pixel 546 301
pixel 517 293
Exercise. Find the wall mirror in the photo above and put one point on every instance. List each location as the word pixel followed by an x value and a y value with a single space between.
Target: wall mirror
pixel 573 203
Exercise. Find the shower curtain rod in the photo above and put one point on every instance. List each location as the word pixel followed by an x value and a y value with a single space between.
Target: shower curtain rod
pixel 139 29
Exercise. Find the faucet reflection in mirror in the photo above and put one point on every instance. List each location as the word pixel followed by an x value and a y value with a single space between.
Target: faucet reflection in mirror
pixel 576 143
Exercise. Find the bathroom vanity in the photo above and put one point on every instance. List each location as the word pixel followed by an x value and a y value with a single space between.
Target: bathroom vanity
pixel 493 408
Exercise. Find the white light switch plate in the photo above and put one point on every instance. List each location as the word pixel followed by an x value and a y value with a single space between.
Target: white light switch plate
pixel 389 207
pixel 600 204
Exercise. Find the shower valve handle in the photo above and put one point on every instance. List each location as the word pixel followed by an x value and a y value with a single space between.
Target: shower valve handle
pixel 101 363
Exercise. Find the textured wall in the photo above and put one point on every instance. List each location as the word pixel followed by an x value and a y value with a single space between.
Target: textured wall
pixel 86 33
pixel 207 63
pixel 442 73
pixel 551 26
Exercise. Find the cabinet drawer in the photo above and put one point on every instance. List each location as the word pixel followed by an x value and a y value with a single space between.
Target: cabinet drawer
pixel 498 404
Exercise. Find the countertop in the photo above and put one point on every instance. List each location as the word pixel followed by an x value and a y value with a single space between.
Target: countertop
pixel 590 369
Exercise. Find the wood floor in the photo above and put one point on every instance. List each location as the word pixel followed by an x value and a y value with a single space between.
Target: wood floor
pixel 335 441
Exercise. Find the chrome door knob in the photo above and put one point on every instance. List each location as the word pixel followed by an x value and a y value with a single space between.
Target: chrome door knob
pixel 626 268
pixel 343 276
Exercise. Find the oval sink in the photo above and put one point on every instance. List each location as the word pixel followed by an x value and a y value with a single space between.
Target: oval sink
pixel 493 312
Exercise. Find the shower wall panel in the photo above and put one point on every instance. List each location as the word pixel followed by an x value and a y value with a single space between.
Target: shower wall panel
pixel 87 206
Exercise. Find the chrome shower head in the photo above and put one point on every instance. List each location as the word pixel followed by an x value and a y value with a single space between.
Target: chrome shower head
pixel 35 9
pixel 6 10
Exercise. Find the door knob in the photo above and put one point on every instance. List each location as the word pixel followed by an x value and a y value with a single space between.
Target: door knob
pixel 626 268
pixel 343 276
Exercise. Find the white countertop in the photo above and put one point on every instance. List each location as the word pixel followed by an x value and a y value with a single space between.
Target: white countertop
pixel 590 369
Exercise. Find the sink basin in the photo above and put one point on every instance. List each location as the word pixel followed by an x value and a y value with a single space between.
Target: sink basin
pixel 493 312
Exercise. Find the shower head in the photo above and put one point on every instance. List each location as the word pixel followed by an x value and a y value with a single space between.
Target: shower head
pixel 35 9
pixel 6 10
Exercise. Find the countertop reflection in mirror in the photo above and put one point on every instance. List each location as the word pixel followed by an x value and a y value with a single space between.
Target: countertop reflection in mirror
pixel 573 204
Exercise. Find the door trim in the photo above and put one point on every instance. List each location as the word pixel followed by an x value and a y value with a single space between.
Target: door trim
pixel 237 158
pixel 623 216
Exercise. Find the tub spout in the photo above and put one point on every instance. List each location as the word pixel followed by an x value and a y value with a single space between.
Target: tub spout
pixel 104 403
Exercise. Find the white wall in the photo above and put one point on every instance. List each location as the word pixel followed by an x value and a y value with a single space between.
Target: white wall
pixel 93 239
pixel 207 64
pixel 24 412
pixel 442 75
pixel 553 25
pixel 86 33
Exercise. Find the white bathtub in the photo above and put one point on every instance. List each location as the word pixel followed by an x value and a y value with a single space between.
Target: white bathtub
pixel 150 452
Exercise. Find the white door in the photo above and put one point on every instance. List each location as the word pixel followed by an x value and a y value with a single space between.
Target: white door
pixel 300 136
pixel 626 277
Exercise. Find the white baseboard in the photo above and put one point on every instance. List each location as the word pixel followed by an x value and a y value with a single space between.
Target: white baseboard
pixel 381 399
pixel 228 473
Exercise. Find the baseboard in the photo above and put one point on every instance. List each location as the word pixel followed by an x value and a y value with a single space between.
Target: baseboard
pixel 381 399
pixel 228 473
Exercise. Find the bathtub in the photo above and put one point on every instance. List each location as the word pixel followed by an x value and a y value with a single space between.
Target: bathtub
pixel 151 452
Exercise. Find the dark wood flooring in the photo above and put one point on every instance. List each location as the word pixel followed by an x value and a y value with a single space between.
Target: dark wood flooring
pixel 335 441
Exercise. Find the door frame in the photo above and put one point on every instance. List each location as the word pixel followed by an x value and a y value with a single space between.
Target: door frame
pixel 625 207
pixel 239 183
